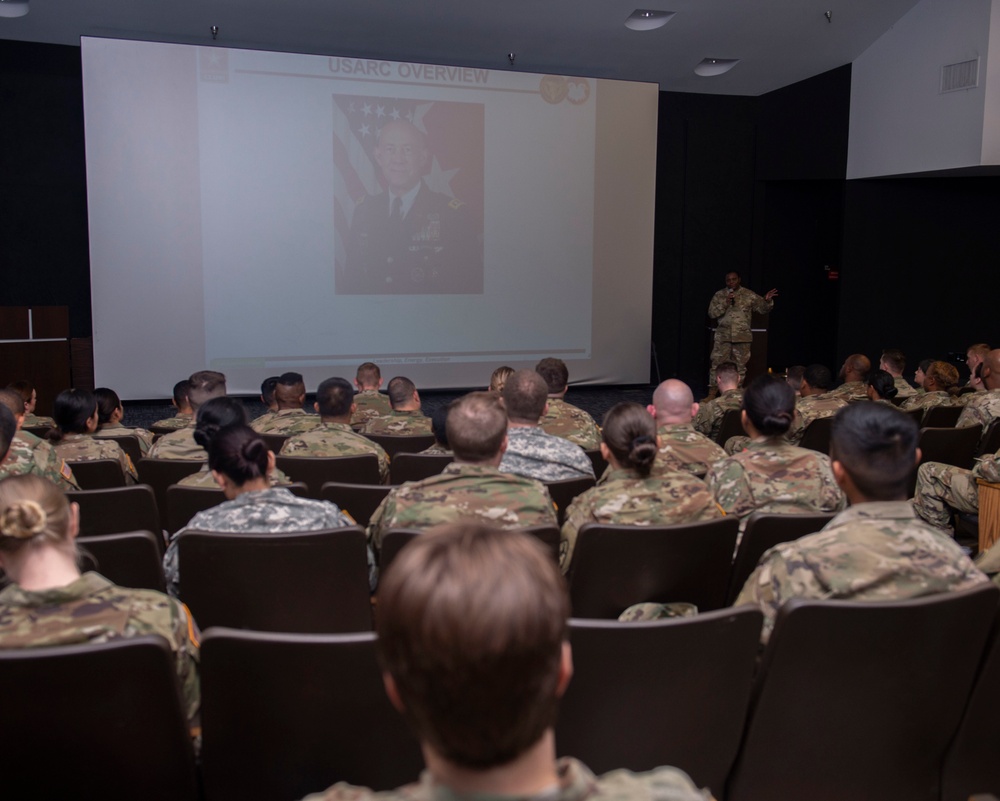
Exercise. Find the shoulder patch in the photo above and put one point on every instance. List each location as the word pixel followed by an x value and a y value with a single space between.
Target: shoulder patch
pixel 455 204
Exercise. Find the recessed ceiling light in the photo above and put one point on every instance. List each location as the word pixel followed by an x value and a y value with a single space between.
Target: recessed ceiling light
pixel 715 66
pixel 643 19
pixel 13 8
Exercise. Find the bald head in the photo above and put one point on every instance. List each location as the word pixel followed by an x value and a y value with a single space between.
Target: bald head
pixel 990 371
pixel 856 367
pixel 673 403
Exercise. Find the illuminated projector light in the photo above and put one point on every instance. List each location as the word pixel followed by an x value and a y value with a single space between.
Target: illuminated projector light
pixel 13 8
pixel 646 20
pixel 715 66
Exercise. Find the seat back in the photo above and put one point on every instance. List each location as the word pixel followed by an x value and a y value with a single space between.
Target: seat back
pixel 597 460
pixel 130 559
pixel 274 441
pixel 990 440
pixel 98 474
pixel 314 472
pixel 616 566
pixel 565 490
pixel 816 436
pixel 941 416
pixel 314 581
pixel 860 700
pixel 955 446
pixel 285 715
pixel 183 502
pixel 393 444
pixel 162 473
pixel 764 531
pixel 112 511
pixel 415 466
pixel 668 692
pixel 395 538
pixel 92 721
pixel 731 426
pixel 129 444
pixel 916 414
pixel 359 500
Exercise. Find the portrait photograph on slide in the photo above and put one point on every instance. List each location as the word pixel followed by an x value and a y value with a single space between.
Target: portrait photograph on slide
pixel 408 196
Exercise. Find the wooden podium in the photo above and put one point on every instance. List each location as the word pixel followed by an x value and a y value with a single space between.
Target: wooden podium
pixel 34 344
pixel 989 514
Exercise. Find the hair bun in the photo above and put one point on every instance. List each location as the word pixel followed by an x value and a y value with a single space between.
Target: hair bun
pixel 23 520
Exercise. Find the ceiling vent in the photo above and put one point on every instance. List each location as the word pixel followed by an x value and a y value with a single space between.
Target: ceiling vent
pixel 963 75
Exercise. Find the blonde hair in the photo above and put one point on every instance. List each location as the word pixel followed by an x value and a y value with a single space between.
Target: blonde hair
pixel 33 512
pixel 499 378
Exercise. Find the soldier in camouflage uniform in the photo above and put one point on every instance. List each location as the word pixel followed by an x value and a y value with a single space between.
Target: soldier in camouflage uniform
pixel 628 494
pixel 405 419
pixel 943 489
pixel 334 437
pixel 203 386
pixel 531 452
pixel 939 379
pixel 562 419
pixel 854 374
pixel 471 487
pixel 30 398
pixel 817 401
pixel 708 420
pixel 877 550
pixel 109 420
pixel 180 401
pixel 731 309
pixel 475 619
pixel 894 363
pixel 50 603
pixel 984 407
pixel 30 454
pixel 291 418
pixel 681 447
pixel 84 448
pixel 771 475
pixel 267 388
pixel 370 402
pixel 76 421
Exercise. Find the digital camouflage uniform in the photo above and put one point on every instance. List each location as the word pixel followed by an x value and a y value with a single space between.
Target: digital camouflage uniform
pixel 177 421
pixel 288 422
pixel 982 408
pixel 84 448
pixel 400 424
pixel 270 511
pixel 204 478
pixel 929 399
pixel 30 454
pixel 903 388
pixel 708 421
pixel 118 430
pixel 813 407
pixel 682 448
pixel 870 552
pixel 534 454
pixel 943 489
pixel 370 403
pixel 336 439
pixel 93 610
pixel 567 421
pixel 773 476
pixel 627 499
pixel 464 492
pixel 852 391
pixel 576 783
pixel 178 444
pixel 733 334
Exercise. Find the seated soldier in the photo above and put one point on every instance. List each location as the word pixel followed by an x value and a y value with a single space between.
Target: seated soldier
pixel 370 402
pixel 681 447
pixel 793 377
pixel 110 413
pixel 817 401
pixel 471 487
pixel 708 420
pixel 531 452
pixel 894 363
pixel 30 398
pixel 334 437
pixel 31 454
pixel 943 490
pixel 473 641
pixel 984 407
pixel 974 356
pixel 854 374
pixel 406 418
pixel 881 387
pixel 877 550
pixel 563 419
pixel 291 418
pixel 180 444
pixel 439 422
pixel 75 413
pixel 921 373
pixel 267 389
pixel 940 388
pixel 182 403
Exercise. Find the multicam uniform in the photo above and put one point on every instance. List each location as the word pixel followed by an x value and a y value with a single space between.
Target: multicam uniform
pixel 943 489
pixel 569 422
pixel 400 424
pixel 733 334
pixel 576 783
pixel 708 421
pixel 870 552
pixel 32 420
pixel 464 491
pixel 903 388
pixel 813 407
pixel 287 421
pixel 118 430
pixel 682 448
pixel 370 403
pixel 178 444
pixel 534 454
pixel 625 498
pixel 852 391
pixel 30 454
pixel 336 439
pixel 270 511
pixel 929 399
pixel 179 420
pixel 84 448
pixel 982 408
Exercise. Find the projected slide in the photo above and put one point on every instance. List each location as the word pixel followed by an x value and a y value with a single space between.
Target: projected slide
pixel 263 212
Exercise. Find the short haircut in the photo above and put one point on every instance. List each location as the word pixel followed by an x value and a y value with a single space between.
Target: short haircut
pixel 182 392
pixel 267 387
pixel 8 428
pixel 11 398
pixel 525 394
pixel 728 372
pixel 24 388
pixel 877 446
pixel 400 390
pixel 476 426
pixel 770 404
pixel 555 373
pixel 793 376
pixel 289 390
pixel 334 397
pixel 471 627
pixel 368 375
pixel 883 384
pixel 818 376
pixel 629 431
pixel 733 272
pixel 72 409
pixel 239 453
pixel 216 414
pixel 894 359
pixel 107 402
pixel 980 349
pixel 499 378
pixel 945 375
pixel 205 385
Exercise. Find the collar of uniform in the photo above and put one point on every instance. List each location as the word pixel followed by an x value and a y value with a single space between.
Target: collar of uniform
pixel 621 474
pixel 290 412
pixel 75 437
pixel 269 495
pixel 730 392
pixel 335 427
pixel 877 510
pixel 87 584
pixel 410 413
pixel 464 468
pixel 675 428
pixel 575 782
pixel 28 438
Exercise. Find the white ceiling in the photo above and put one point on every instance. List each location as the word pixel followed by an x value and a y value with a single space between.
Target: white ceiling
pixel 778 42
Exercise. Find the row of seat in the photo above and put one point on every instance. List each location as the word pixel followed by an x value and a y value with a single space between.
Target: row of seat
pixel 890 701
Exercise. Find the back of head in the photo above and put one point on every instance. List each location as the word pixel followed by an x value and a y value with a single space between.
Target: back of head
pixel 877 446
pixel 883 384
pixel 499 378
pixel 555 373
pixel 400 391
pixel 673 400
pixel 8 428
pixel 267 388
pixel 33 512
pixel 182 393
pixel 770 404
pixel 859 365
pixel 728 374
pixel 793 376
pixel 72 409
pixel 290 391
pixel 945 375
pixel 894 360
pixel 978 351
pixel 239 453
pixel 471 626
pixel 368 376
pixel 24 388
pixel 107 401
pixel 818 376
pixel 205 385
pixel 12 400
pixel 216 414
pixel 334 397
pixel 476 426
pixel 629 431
pixel 525 394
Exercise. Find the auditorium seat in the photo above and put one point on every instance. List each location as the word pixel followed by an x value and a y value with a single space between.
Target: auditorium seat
pixel 393 444
pixel 816 436
pixel 955 446
pixel 129 559
pixel 161 473
pixel 416 466
pixel 565 490
pixel 274 441
pixel 395 538
pixel 941 416
pixel 118 509
pixel 129 444
pixel 98 474
pixel 358 500
pixel 316 471
pixel 732 426
pixel 598 461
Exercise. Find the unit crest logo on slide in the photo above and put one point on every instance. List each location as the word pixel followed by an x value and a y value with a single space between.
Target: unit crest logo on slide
pixel 579 90
pixel 553 89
